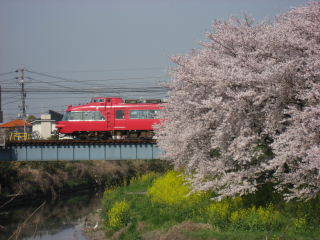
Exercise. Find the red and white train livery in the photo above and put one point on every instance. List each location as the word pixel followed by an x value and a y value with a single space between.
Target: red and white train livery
pixel 111 117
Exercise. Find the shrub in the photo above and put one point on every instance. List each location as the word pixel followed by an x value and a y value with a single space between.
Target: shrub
pixel 261 219
pixel 172 189
pixel 144 178
pixel 218 213
pixel 307 210
pixel 299 224
pixel 118 215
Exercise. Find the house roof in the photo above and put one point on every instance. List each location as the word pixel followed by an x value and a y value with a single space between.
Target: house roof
pixel 15 123
pixel 42 120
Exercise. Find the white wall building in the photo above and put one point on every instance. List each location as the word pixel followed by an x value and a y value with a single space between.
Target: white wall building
pixel 44 127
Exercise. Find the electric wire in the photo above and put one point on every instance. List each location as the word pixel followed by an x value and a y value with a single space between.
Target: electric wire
pixel 100 87
pixel 111 70
pixel 6 80
pixel 53 84
pixel 97 80
pixel 7 103
pixel 6 73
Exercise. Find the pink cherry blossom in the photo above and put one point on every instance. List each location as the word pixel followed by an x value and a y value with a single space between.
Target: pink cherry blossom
pixel 245 109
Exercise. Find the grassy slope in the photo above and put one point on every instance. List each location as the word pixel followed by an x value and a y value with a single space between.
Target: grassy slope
pixel 145 219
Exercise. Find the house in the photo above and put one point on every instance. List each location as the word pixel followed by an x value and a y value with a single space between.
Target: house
pixel 18 129
pixel 45 127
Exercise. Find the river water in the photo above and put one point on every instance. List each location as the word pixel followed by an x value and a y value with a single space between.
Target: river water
pixel 48 219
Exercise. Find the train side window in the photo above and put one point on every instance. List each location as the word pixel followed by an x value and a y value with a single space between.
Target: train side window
pixel 120 114
pixel 98 116
pixel 144 114
pixel 157 114
pixel 134 114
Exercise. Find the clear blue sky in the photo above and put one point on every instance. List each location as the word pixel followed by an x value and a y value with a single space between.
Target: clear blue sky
pixel 121 43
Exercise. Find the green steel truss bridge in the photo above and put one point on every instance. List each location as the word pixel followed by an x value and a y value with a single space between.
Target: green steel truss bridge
pixel 75 150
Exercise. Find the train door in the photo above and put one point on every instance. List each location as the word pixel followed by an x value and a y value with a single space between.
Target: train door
pixel 110 115
pixel 120 119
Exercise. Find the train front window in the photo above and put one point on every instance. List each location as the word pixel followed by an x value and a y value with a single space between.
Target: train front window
pixel 87 116
pixel 75 116
pixel 84 116
pixel 66 116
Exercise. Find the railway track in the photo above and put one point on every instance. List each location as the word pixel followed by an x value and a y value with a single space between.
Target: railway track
pixel 78 142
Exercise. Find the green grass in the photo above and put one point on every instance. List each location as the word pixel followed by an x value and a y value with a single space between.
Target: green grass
pixel 294 220
pixel 239 235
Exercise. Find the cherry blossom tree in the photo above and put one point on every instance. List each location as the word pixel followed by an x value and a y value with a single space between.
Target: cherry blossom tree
pixel 245 109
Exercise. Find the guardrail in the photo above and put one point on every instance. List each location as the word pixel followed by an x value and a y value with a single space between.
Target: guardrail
pixel 14 136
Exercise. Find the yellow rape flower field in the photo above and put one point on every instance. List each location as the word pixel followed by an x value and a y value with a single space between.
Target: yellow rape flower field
pixel 155 206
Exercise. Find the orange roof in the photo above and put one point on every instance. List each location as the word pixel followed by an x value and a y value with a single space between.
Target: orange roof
pixel 15 123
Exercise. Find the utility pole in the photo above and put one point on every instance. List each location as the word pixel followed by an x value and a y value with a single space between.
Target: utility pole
pixel 23 102
pixel 23 94
pixel 1 114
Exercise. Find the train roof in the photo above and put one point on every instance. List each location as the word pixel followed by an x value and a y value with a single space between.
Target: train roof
pixel 97 102
pixel 121 100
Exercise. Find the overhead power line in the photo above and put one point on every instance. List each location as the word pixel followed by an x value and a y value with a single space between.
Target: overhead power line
pixel 51 76
pixel 111 70
pixel 6 80
pixel 52 84
pixel 93 90
pixel 7 103
pixel 6 73
pixel 95 80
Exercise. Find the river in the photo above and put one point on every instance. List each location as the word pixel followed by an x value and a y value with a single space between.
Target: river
pixel 48 219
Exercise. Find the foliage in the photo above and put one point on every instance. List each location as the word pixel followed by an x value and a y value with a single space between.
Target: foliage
pixel 53 137
pixel 245 235
pixel 244 110
pixel 300 224
pixel 257 219
pixel 218 213
pixel 31 118
pixel 145 177
pixel 307 211
pixel 173 189
pixel 56 177
pixel 231 218
pixel 148 176
pixel 118 215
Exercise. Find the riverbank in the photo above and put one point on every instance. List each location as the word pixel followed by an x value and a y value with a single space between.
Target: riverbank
pixel 93 227
pixel 38 179
pixel 28 188
pixel 46 219
pixel 161 207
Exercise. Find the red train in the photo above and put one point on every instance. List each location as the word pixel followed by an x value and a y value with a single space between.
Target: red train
pixel 112 117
